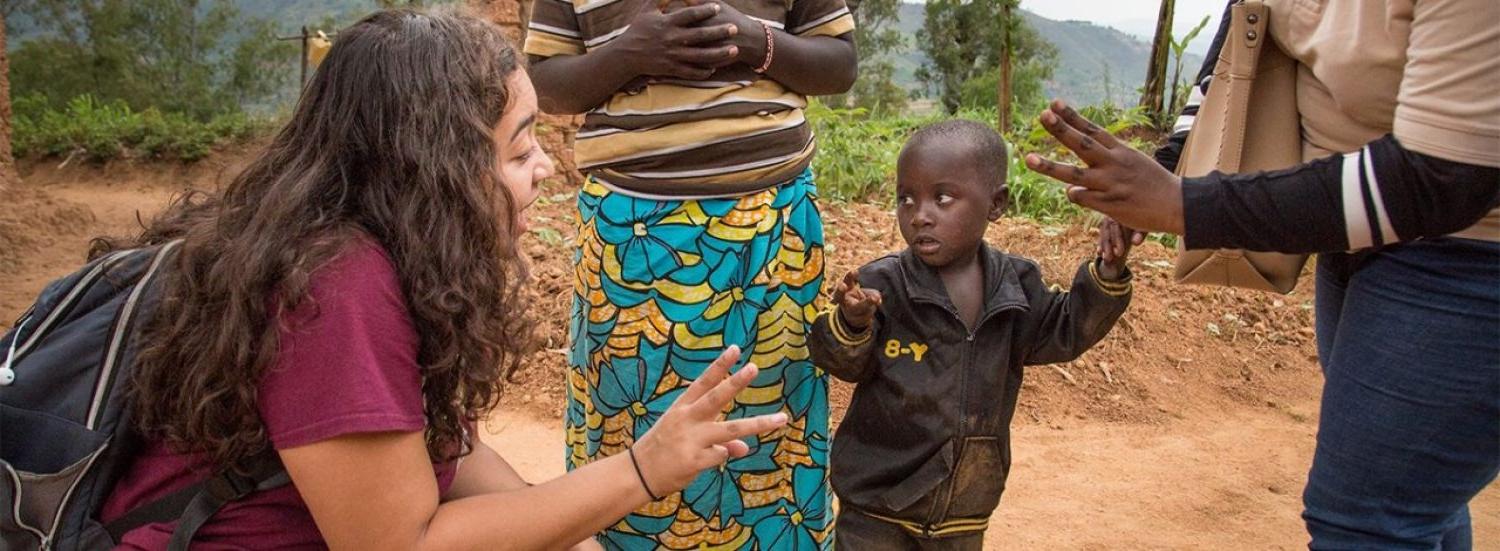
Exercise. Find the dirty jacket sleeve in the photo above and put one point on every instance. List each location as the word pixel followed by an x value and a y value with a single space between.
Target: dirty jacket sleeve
pixel 841 352
pixel 1065 324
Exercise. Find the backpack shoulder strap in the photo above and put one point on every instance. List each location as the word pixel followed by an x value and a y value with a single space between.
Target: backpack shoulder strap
pixel 193 505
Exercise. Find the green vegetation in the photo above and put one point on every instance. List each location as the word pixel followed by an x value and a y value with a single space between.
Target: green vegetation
pixel 97 130
pixel 965 39
pixel 857 153
pixel 158 79
pixel 881 43
pixel 173 79
pixel 198 58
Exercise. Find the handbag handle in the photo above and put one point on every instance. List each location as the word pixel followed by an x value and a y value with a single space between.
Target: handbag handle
pixel 1247 33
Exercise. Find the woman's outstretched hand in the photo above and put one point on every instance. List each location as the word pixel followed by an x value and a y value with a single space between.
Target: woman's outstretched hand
pixel 691 436
pixel 1118 181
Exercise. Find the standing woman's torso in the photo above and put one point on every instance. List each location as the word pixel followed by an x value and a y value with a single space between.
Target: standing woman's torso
pixel 731 134
pixel 1426 70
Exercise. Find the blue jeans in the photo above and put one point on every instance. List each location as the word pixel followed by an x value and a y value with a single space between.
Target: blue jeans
pixel 1409 340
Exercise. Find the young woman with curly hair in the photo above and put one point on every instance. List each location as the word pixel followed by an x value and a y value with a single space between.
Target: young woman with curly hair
pixel 350 303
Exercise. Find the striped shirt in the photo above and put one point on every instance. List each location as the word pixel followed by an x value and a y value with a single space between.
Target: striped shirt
pixel 733 133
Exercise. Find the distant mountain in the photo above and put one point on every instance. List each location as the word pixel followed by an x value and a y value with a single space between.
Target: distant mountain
pixel 292 14
pixel 1092 60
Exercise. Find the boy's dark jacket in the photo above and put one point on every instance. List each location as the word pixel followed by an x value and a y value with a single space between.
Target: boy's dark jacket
pixel 927 437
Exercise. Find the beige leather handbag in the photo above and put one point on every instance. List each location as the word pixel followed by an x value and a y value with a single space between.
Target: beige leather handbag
pixel 1247 123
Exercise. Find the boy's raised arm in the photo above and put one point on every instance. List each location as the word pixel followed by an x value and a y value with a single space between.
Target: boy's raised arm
pixel 1067 323
pixel 842 340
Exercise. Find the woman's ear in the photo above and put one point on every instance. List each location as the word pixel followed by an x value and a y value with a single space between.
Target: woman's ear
pixel 999 201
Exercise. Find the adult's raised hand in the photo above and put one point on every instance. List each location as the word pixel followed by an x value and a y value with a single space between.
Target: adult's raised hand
pixel 1119 181
pixel 691 436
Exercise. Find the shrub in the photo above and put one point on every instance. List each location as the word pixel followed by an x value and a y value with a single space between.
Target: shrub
pixel 857 153
pixel 100 131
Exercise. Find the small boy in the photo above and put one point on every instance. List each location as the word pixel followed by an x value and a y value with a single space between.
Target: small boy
pixel 936 337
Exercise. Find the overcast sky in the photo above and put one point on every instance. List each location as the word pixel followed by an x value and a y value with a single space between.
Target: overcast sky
pixel 1136 17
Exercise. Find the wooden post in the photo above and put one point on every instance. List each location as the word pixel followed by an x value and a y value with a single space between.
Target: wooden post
pixel 1006 65
pixel 1156 68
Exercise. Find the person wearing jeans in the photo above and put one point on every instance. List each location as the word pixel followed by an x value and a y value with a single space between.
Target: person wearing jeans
pixel 1398 192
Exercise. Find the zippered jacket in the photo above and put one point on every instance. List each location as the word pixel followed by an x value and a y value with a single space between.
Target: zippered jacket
pixel 926 440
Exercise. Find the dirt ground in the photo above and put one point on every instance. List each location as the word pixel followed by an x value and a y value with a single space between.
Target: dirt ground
pixel 1190 427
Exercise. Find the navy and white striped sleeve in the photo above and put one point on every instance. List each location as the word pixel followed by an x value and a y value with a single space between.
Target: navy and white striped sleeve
pixel 1378 195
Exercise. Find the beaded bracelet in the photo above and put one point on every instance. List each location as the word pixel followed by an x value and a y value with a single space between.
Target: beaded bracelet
pixel 770 49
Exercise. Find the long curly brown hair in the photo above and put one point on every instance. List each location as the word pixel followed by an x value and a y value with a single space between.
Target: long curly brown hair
pixel 392 139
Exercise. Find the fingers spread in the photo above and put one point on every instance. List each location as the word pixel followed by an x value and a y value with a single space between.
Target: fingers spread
pixel 737 448
pixel 749 426
pixel 1084 126
pixel 1086 198
pixel 1085 147
pixel 712 376
pixel 1064 172
pixel 715 455
pixel 714 401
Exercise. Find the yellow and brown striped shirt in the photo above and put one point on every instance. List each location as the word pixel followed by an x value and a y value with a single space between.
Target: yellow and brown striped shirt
pixel 733 133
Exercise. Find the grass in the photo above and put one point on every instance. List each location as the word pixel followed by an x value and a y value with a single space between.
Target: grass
pixel 103 130
pixel 856 160
pixel 857 152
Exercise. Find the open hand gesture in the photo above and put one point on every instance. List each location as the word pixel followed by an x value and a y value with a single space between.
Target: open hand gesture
pixel 691 436
pixel 858 305
pixel 1120 182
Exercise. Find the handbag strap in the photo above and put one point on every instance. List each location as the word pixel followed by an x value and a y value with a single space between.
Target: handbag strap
pixel 1247 33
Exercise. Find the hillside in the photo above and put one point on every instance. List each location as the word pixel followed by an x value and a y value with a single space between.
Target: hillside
pixel 1092 59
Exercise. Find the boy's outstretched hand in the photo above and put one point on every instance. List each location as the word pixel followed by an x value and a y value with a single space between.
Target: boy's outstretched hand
pixel 858 305
pixel 1115 241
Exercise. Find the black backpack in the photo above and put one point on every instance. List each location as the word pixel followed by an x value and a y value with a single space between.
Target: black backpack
pixel 65 425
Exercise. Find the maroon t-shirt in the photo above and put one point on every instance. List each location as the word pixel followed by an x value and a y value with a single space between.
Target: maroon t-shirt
pixel 347 364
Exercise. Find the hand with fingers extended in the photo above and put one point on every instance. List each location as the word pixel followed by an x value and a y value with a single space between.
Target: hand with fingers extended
pixel 676 42
pixel 1115 241
pixel 857 305
pixel 1119 181
pixel 691 436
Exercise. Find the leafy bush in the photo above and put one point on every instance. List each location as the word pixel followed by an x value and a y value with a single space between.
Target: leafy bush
pixel 857 153
pixel 102 130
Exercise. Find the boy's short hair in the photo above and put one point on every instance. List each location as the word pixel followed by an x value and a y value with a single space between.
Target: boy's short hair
pixel 985 145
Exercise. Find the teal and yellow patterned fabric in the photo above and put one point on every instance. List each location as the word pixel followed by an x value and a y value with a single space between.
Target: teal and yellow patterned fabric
pixel 660 288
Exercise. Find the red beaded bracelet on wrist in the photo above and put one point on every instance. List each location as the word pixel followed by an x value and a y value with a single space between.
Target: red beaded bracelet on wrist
pixel 770 49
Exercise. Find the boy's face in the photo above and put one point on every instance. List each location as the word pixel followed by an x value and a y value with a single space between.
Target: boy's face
pixel 943 202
